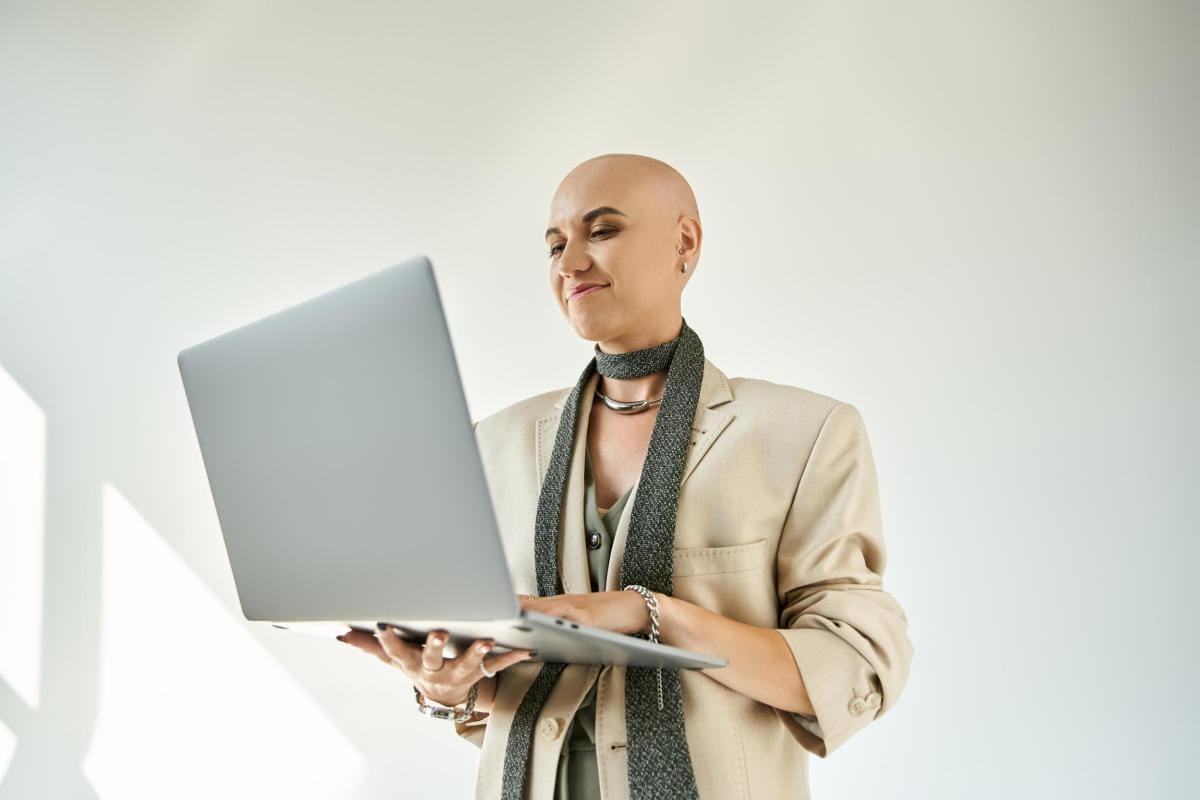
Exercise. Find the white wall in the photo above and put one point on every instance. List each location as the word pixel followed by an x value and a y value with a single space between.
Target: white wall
pixel 976 222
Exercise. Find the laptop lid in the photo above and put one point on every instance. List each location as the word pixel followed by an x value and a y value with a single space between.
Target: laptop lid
pixel 308 421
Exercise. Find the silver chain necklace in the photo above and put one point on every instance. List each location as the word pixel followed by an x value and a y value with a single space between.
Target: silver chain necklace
pixel 622 407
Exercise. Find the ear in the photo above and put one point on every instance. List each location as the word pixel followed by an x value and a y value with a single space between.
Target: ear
pixel 689 235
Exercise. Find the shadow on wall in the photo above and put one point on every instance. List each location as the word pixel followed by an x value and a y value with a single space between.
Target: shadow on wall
pixel 162 692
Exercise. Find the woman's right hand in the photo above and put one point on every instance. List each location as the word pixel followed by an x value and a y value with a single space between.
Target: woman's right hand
pixel 447 681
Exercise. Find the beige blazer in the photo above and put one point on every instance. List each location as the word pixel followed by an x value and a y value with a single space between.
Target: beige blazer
pixel 778 525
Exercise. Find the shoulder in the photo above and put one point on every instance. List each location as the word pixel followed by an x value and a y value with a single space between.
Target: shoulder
pixel 796 416
pixel 757 395
pixel 521 414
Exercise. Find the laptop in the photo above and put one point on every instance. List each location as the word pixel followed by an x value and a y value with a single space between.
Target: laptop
pixel 338 510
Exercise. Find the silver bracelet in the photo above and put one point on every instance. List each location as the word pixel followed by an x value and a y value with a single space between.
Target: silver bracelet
pixel 454 714
pixel 652 604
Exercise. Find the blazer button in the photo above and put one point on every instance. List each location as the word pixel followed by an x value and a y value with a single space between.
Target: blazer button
pixel 857 706
pixel 551 727
pixel 593 540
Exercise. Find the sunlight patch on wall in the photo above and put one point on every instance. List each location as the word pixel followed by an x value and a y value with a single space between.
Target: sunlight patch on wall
pixel 8 746
pixel 22 525
pixel 190 704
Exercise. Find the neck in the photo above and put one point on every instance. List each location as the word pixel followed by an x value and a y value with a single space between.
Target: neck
pixel 646 387
pixel 644 338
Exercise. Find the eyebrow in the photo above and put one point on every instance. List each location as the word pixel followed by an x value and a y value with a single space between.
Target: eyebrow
pixel 589 216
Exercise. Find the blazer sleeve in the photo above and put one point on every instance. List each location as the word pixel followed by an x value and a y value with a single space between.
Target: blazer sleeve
pixel 473 730
pixel 847 635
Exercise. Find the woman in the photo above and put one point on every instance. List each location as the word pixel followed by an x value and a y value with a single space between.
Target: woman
pixel 769 553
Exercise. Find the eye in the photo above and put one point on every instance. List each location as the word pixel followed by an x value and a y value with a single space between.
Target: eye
pixel 557 248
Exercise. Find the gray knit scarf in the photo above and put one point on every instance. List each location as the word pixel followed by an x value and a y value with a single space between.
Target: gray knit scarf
pixel 660 767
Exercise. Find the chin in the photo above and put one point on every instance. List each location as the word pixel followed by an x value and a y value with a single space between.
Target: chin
pixel 591 326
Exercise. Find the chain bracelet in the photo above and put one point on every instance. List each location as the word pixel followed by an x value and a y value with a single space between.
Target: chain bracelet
pixel 652 604
pixel 454 714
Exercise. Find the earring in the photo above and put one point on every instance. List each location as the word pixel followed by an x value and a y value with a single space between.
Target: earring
pixel 684 267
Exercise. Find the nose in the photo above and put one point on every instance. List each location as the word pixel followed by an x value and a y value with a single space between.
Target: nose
pixel 573 259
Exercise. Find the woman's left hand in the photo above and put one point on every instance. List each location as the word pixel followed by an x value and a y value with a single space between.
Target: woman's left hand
pixel 622 612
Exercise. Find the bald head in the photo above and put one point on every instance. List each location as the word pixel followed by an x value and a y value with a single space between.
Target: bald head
pixel 669 189
pixel 626 223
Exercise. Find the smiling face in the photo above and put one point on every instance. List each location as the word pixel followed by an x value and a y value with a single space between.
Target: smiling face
pixel 618 222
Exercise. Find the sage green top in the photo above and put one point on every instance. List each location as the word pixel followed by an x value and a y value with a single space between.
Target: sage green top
pixel 578 778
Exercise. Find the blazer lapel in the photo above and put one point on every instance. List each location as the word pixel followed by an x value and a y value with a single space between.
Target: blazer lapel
pixel 706 427
pixel 572 549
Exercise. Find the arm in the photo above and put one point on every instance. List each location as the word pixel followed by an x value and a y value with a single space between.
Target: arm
pixel 841 655
pixel 760 661
pixel 848 636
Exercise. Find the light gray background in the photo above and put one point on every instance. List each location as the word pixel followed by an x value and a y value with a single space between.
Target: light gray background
pixel 975 221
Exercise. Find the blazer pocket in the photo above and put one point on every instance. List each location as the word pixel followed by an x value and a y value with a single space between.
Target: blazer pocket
pixel 712 560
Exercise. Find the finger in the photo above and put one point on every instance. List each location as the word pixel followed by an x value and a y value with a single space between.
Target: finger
pixel 495 662
pixel 467 663
pixel 431 657
pixel 365 642
pixel 396 649
pixel 553 606
pixel 505 660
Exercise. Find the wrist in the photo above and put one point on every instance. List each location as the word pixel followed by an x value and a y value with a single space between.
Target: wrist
pixel 649 602
pixel 443 702
pixel 647 627
pixel 664 602
pixel 450 712
pixel 644 627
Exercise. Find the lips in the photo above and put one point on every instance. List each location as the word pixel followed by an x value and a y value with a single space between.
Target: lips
pixel 584 289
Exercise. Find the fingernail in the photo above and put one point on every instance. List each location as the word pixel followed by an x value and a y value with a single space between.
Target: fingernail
pixel 379 626
pixel 339 637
